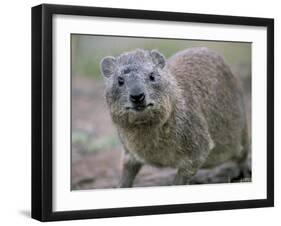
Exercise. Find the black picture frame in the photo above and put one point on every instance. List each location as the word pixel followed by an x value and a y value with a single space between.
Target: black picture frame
pixel 42 108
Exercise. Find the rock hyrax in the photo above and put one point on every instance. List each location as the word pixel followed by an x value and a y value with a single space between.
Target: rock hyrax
pixel 186 112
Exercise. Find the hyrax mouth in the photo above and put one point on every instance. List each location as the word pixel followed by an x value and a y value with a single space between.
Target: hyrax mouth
pixel 138 108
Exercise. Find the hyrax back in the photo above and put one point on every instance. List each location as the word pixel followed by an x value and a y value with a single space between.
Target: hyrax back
pixel 186 112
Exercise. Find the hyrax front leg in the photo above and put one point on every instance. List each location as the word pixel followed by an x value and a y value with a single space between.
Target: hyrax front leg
pixel 188 166
pixel 184 175
pixel 131 167
pixel 187 169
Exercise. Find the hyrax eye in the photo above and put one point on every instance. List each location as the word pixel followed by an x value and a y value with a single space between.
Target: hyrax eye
pixel 120 81
pixel 152 76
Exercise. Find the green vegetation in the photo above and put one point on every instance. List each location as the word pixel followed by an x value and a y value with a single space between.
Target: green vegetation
pixel 88 50
pixel 94 144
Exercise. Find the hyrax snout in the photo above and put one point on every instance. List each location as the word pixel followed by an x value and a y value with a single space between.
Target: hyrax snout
pixel 186 112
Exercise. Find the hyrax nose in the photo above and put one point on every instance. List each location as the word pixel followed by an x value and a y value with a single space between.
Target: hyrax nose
pixel 137 98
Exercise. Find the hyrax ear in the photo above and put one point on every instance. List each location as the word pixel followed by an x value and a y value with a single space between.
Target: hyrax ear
pixel 108 66
pixel 158 58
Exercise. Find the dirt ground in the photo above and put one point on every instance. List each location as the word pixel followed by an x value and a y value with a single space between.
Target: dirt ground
pixel 97 152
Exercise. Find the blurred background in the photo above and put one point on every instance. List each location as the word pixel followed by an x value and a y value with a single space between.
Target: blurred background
pixel 96 150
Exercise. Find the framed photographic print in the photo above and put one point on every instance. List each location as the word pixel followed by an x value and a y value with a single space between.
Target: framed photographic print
pixel 146 112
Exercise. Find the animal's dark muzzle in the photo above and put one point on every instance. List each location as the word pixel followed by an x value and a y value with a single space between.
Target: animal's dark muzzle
pixel 137 98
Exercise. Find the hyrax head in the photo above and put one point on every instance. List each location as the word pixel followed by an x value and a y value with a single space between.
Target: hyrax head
pixel 136 88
